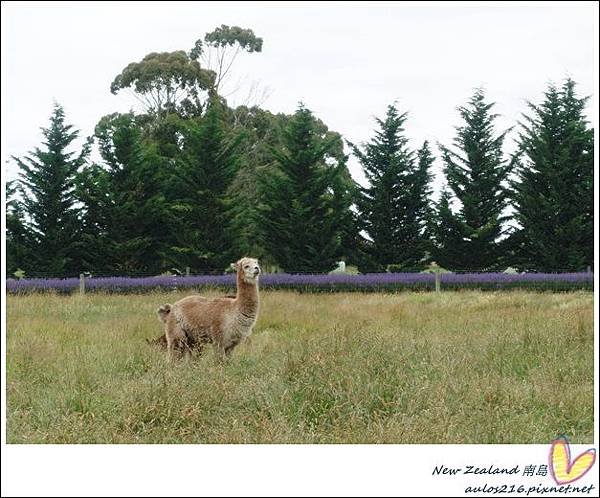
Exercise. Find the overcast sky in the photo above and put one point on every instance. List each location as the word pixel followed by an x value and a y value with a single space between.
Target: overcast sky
pixel 345 61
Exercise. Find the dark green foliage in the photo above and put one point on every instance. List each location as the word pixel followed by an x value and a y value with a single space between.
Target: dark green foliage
pixel 164 132
pixel 352 243
pixel 204 234
pixel 192 183
pixel 18 243
pixel 264 131
pixel 302 206
pixel 420 208
pixel 447 231
pixel 261 131
pixel 553 194
pixel 394 206
pixel 468 237
pixel 126 214
pixel 47 184
pixel 96 248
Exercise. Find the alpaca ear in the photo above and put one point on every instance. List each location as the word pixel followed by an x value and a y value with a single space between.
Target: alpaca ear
pixel 234 266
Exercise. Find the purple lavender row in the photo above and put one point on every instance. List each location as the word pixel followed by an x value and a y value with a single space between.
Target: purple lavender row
pixel 312 281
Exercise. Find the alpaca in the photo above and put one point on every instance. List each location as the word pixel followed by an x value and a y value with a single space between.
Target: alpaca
pixel 161 341
pixel 195 321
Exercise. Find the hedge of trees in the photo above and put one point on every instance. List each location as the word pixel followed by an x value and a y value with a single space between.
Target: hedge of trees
pixel 192 183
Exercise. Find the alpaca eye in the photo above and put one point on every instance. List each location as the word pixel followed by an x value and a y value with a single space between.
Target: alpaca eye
pixel 246 266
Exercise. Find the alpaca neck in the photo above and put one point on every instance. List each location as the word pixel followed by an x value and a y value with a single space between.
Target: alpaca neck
pixel 247 296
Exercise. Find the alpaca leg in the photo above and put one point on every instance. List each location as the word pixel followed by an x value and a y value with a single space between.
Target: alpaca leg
pixel 221 353
pixel 175 351
pixel 176 342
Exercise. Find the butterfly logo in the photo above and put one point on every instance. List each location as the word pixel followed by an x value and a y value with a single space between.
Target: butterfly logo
pixel 564 470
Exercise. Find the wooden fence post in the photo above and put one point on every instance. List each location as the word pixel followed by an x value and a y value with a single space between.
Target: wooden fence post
pixel 187 271
pixel 81 284
pixel 436 273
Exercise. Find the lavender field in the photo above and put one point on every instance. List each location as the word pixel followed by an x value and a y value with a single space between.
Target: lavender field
pixel 371 282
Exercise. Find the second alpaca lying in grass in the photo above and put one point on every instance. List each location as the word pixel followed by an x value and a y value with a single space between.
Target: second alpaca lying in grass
pixel 194 321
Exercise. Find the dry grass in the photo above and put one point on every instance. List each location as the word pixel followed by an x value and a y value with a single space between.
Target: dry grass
pixel 460 367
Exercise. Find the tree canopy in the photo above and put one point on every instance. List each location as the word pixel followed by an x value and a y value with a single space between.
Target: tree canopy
pixel 394 206
pixel 476 171
pixel 193 182
pixel 46 181
pixel 301 204
pixel 165 81
pixel 553 191
pixel 220 48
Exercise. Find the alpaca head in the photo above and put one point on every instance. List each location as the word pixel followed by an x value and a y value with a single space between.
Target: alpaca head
pixel 248 268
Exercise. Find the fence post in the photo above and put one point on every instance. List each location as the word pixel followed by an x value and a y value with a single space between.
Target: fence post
pixel 81 284
pixel 187 271
pixel 436 273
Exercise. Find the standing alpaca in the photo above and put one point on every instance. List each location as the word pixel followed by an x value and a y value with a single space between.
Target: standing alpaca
pixel 194 321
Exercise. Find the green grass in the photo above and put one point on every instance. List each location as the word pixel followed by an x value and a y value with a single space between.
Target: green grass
pixel 458 367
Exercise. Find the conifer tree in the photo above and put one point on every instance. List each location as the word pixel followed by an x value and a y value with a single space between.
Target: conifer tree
pixel 553 193
pixel 125 208
pixel 47 182
pixel 263 131
pixel 205 234
pixel 469 236
pixel 302 207
pixel 394 206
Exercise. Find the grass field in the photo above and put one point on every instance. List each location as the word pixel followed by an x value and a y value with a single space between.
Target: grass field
pixel 458 367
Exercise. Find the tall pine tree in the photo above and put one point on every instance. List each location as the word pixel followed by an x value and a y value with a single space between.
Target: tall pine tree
pixel 47 181
pixel 553 194
pixel 394 206
pixel 302 207
pixel 205 235
pixel 126 221
pixel 469 237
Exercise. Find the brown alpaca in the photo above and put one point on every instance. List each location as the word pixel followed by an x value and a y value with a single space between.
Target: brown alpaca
pixel 161 341
pixel 194 321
